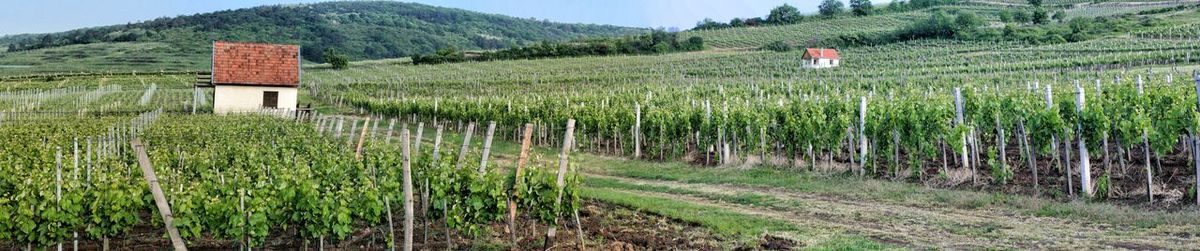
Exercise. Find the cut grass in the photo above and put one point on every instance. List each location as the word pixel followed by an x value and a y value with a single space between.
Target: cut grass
pixel 747 230
pixel 879 190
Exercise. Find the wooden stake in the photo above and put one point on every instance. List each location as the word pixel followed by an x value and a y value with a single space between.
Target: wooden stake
pixel 160 200
pixel 487 147
pixel 58 182
pixel 391 124
pixel 637 131
pixel 515 194
pixel 862 135
pixel 462 152
pixel 391 227
pixel 1001 141
pixel 959 121
pixel 1195 141
pixel 1031 157
pixel 408 193
pixel 1085 166
pixel 417 139
pixel 362 137
pixel 562 172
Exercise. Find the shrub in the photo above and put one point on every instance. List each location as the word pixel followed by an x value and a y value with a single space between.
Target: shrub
pixel 778 46
pixel 337 61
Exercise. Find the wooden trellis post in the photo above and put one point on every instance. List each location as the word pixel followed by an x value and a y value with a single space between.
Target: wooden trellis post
pixel 862 135
pixel 408 193
pixel 1195 140
pixel 959 121
pixel 362 138
pixel 637 131
pixel 462 152
pixel 1085 166
pixel 164 209
pixel 516 194
pixel 562 172
pixel 487 147
pixel 1146 150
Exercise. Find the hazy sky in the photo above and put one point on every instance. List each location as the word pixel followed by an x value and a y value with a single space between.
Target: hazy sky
pixel 41 16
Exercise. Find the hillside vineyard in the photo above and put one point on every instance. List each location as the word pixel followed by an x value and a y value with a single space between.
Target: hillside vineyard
pixel 729 107
pixel 1077 131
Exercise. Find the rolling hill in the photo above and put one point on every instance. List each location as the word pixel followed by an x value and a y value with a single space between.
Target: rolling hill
pixel 361 30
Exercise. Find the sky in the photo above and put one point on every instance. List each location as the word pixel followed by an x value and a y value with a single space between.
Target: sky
pixel 43 16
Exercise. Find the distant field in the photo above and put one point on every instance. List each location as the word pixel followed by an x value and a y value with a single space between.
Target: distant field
pixel 1116 8
pixel 105 57
pixel 753 37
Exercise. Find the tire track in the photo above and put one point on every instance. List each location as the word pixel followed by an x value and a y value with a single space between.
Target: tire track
pixel 929 227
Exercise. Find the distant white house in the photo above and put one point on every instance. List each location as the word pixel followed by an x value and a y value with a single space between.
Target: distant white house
pixel 816 58
pixel 249 77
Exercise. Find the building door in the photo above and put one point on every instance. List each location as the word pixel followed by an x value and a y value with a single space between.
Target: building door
pixel 270 99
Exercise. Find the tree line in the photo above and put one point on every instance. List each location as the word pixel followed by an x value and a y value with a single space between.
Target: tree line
pixel 787 14
pixel 968 26
pixel 357 29
pixel 655 42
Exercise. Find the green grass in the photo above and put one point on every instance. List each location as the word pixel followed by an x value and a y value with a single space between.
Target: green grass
pixel 748 199
pixel 746 229
pixel 898 192
pixel 722 222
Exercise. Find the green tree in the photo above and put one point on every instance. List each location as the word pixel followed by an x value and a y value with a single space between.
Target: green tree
pixel 1020 16
pixel 830 8
pixel 1035 3
pixel 736 22
pixel 693 44
pixel 896 6
pixel 861 7
pixel 337 61
pixel 967 21
pixel 1039 16
pixel 1005 16
pixel 12 47
pixel 784 14
pixel 1009 31
pixel 709 24
pixel 777 46
pixel 1060 15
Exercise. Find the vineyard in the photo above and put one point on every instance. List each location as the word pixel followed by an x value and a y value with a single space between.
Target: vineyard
pixel 243 178
pixel 804 32
pixel 922 144
pixel 1021 115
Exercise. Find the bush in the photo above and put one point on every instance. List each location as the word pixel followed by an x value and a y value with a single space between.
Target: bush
pixel 337 61
pixel 444 55
pixel 652 43
pixel 692 44
pixel 778 46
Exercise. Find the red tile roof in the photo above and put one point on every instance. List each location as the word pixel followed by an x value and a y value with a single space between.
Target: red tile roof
pixel 811 53
pixel 257 64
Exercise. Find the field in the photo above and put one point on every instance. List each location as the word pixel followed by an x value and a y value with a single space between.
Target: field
pixel 921 144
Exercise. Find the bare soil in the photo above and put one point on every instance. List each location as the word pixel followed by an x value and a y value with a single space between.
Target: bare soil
pixel 606 227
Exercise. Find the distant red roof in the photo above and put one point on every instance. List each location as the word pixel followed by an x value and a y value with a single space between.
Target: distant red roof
pixel 811 53
pixel 255 64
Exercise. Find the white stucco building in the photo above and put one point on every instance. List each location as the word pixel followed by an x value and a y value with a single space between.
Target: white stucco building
pixel 816 58
pixel 251 77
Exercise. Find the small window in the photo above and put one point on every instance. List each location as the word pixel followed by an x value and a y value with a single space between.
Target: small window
pixel 270 99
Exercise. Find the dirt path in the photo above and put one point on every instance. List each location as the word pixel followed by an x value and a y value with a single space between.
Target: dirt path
pixel 929 227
